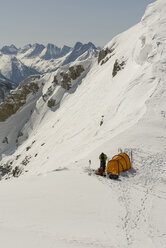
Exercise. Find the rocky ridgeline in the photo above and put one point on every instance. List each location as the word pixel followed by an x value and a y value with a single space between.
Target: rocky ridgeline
pixel 65 79
pixel 106 54
pixel 73 74
pixel 16 99
pixel 5 88
pixel 118 66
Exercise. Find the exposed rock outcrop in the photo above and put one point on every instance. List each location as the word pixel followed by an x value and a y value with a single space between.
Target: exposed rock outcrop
pixel 117 67
pixel 16 100
pixel 51 103
pixel 5 88
pixel 72 74
pixel 103 53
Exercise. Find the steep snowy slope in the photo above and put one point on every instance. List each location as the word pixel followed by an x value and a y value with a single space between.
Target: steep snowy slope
pixel 56 203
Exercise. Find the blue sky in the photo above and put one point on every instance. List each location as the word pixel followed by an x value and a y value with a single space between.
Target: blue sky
pixel 66 21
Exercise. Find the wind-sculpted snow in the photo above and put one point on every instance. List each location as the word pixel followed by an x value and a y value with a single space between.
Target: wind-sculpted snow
pixel 45 151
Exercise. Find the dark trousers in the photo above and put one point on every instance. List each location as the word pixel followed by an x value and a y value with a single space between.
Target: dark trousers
pixel 102 165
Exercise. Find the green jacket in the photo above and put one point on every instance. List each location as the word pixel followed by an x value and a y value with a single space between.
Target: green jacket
pixel 105 157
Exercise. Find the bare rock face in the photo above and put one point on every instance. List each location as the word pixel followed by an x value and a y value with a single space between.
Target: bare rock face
pixel 51 103
pixel 5 88
pixel 73 74
pixel 76 72
pixel 66 80
pixel 103 53
pixel 13 102
pixel 117 67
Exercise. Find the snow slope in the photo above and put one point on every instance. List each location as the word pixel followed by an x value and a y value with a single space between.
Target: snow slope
pixel 55 203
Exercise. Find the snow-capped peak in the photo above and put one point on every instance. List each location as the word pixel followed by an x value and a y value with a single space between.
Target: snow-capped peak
pixel 81 51
pixel 35 50
pixel 50 52
pixel 9 49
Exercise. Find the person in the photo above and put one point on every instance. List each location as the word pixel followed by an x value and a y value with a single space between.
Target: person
pixel 103 158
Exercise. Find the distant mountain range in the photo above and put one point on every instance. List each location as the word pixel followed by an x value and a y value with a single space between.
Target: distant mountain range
pixel 16 64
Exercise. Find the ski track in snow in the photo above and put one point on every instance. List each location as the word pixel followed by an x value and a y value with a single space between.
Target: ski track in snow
pixel 142 182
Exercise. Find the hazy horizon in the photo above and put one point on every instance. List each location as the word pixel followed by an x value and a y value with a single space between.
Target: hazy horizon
pixel 64 22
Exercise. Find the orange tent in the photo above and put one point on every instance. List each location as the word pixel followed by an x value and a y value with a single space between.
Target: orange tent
pixel 119 163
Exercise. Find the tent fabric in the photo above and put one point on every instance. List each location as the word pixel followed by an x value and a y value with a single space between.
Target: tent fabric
pixel 119 163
